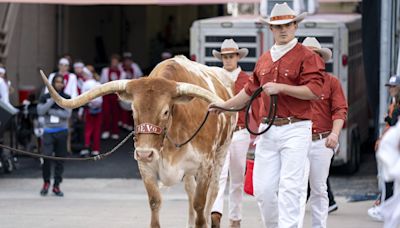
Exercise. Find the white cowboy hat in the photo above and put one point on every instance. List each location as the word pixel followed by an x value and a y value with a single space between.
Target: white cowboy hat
pixel 228 47
pixel 313 43
pixel 282 14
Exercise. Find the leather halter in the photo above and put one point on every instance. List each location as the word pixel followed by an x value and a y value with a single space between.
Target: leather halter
pixel 148 128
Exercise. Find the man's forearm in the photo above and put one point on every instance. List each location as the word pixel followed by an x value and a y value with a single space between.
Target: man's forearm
pixel 300 92
pixel 337 126
pixel 237 101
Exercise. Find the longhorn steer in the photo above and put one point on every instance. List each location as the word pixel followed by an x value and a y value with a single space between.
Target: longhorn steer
pixel 168 106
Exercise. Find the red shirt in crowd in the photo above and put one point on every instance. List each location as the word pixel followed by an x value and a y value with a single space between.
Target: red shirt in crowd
pixel 114 74
pixel 130 72
pixel 330 106
pixel 299 66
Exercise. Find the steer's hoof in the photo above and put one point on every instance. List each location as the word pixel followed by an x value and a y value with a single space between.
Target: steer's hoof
pixel 215 219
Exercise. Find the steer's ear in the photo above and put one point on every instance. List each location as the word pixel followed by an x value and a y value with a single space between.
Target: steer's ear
pixel 181 99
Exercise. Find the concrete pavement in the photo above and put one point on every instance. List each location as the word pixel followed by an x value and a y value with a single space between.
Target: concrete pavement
pixel 123 203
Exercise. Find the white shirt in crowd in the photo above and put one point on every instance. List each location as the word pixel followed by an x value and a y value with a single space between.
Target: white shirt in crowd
pixel 88 85
pixel 137 72
pixel 104 77
pixel 5 94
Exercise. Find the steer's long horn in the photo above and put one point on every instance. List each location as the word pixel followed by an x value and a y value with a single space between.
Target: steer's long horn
pixel 84 98
pixel 197 91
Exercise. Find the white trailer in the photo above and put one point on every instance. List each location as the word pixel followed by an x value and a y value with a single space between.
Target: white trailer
pixel 339 32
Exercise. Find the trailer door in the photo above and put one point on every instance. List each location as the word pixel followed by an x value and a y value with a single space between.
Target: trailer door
pixel 250 38
pixel 329 38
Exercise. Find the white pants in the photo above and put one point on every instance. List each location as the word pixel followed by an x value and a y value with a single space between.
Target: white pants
pixel 391 211
pixel 235 163
pixel 388 156
pixel 317 171
pixel 278 173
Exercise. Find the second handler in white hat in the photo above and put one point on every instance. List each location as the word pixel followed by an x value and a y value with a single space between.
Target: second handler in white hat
pixel 235 161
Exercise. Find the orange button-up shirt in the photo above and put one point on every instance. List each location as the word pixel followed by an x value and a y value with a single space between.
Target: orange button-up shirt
pixel 299 66
pixel 241 80
pixel 330 106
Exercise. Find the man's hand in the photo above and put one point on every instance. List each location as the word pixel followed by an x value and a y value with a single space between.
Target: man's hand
pixel 272 88
pixel 378 141
pixel 332 140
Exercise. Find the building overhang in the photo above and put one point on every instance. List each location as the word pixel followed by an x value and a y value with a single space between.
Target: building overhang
pixel 130 2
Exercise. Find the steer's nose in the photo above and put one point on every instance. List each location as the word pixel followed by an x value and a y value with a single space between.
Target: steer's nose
pixel 144 155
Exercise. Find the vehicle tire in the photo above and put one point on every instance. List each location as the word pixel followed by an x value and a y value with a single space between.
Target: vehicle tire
pixel 358 152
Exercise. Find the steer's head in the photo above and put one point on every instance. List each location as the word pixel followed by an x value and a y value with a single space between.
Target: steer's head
pixel 153 102
pixel 152 98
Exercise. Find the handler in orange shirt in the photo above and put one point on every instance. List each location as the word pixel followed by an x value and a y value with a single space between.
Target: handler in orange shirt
pixel 296 75
pixel 329 114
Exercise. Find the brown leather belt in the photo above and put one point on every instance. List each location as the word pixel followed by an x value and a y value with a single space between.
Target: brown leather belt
pixel 319 136
pixel 282 121
pixel 238 128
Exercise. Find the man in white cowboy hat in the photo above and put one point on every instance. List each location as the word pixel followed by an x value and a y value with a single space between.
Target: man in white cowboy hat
pixel 329 114
pixel 295 74
pixel 235 160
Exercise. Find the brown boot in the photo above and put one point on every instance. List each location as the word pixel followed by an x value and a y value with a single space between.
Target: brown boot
pixel 215 219
pixel 234 223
